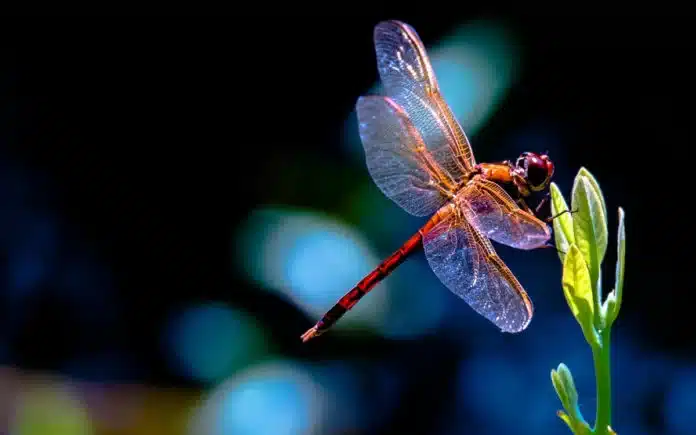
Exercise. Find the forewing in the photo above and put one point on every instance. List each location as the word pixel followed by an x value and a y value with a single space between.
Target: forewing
pixel 499 218
pixel 466 263
pixel 408 78
pixel 396 158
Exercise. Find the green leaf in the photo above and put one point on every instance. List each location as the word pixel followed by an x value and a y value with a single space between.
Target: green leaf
pixel 560 388
pixel 608 309
pixel 566 418
pixel 586 198
pixel 590 230
pixel 578 427
pixel 593 182
pixel 577 289
pixel 564 385
pixel 562 225
pixel 613 303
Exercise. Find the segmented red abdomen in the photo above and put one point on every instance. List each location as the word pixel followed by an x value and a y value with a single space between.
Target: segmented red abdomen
pixel 378 274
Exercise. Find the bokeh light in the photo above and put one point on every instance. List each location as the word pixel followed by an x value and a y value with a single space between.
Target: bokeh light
pixel 277 398
pixel 475 67
pixel 208 342
pixel 51 409
pixel 309 259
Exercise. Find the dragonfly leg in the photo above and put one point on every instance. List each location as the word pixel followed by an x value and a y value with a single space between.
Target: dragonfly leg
pixel 524 206
pixel 560 214
pixel 541 204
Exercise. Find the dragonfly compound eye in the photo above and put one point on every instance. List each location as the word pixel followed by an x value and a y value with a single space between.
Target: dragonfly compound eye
pixel 538 171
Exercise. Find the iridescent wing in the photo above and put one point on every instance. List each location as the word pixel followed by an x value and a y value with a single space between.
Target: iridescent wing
pixel 397 159
pixel 408 78
pixel 466 263
pixel 499 218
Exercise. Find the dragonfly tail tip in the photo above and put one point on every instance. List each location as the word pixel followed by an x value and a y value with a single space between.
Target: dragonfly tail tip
pixel 311 333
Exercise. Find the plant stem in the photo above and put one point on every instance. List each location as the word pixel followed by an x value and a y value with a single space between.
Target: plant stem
pixel 601 357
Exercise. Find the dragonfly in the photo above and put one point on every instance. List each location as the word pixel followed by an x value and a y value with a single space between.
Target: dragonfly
pixel 419 156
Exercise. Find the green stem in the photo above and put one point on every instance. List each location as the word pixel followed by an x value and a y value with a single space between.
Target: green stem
pixel 601 356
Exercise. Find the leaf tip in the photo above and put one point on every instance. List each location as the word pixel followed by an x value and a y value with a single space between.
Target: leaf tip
pixel 565 417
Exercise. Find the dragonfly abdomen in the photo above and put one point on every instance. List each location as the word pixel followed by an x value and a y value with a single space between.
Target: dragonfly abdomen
pixel 373 278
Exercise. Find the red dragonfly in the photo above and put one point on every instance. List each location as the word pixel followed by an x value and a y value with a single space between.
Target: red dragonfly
pixel 419 157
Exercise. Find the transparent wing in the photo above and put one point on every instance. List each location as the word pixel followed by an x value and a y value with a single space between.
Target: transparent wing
pixel 408 78
pixel 466 263
pixel 499 218
pixel 397 159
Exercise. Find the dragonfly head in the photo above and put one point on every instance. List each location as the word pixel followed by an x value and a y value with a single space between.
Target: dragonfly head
pixel 537 170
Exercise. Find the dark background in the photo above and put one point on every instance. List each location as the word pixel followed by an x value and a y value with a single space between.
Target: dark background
pixel 130 150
